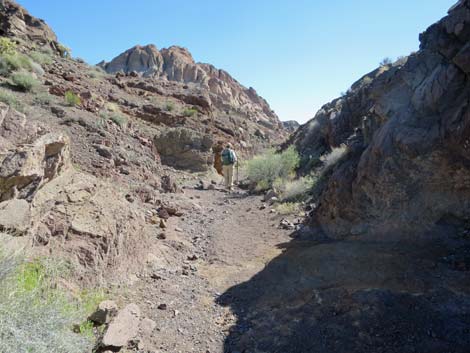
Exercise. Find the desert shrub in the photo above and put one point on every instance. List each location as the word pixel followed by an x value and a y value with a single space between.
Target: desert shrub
pixel 24 81
pixel 286 208
pixel 9 99
pixel 264 169
pixel 42 98
pixel 112 107
pixel 118 119
pixel 72 99
pixel 295 189
pixel 7 46
pixel 14 62
pixel 169 106
pixel 41 58
pixel 97 72
pixel 189 112
pixel 331 159
pixel 47 50
pixel 36 68
pixel 386 61
pixel 64 51
pixel 35 315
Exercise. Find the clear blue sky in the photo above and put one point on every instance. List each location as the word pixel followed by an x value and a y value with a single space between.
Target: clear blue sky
pixel 298 54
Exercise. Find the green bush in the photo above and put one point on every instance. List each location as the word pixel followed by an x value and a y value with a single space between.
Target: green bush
pixel 169 106
pixel 9 99
pixel 72 99
pixel 97 72
pixel 288 208
pixel 64 51
pixel 7 46
pixel 24 81
pixel 118 119
pixel 42 98
pixel 294 190
pixel 36 316
pixel 189 112
pixel 41 58
pixel 264 169
pixel 14 62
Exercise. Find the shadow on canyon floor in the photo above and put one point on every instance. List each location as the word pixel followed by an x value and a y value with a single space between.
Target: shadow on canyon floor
pixel 356 295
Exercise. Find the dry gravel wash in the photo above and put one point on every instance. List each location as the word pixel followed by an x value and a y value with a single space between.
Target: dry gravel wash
pixel 225 242
pixel 232 282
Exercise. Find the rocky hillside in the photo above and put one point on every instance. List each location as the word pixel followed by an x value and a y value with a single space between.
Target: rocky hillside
pixel 394 150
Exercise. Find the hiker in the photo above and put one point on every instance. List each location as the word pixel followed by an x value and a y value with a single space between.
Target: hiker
pixel 229 158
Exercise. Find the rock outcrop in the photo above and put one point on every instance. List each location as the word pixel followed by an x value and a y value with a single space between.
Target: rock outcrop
pixel 185 149
pixel 405 132
pixel 16 22
pixel 291 125
pixel 176 64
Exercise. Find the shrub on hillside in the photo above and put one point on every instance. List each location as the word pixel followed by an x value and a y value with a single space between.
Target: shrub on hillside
pixel 287 208
pixel 169 106
pixel 7 46
pixel 24 81
pixel 190 112
pixel 72 99
pixel 36 316
pixel 294 190
pixel 14 62
pixel 8 98
pixel 41 58
pixel 264 169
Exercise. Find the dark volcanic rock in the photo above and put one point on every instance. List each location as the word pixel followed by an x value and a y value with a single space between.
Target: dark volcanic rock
pixel 406 132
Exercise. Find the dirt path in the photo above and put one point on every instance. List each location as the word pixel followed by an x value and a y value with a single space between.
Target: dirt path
pixel 226 280
pixel 222 243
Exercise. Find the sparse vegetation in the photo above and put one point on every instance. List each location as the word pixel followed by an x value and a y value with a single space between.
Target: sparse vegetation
pixel 96 72
pixel 24 81
pixel 72 99
pixel 169 106
pixel 116 117
pixel 7 46
pixel 287 208
pixel 264 169
pixel 64 51
pixel 295 189
pixel 14 62
pixel 8 98
pixel 36 316
pixel 386 61
pixel 112 107
pixel 190 112
pixel 41 58
pixel 42 98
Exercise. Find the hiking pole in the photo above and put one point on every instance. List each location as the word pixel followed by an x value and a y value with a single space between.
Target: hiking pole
pixel 238 163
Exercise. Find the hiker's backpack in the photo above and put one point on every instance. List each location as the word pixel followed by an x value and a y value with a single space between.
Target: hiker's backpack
pixel 228 157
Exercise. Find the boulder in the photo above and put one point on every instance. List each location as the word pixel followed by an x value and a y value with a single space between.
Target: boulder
pixel 123 328
pixel 104 313
pixel 15 216
pixel 185 149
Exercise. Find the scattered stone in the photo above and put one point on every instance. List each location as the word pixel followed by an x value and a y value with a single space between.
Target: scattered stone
pixel 269 195
pixel 130 198
pixel 162 224
pixel 192 257
pixel 104 151
pixel 169 184
pixel 162 306
pixel 105 312
pixel 163 213
pixel 161 236
pixel 147 326
pixel 57 111
pixel 123 328
pixel 285 224
pixel 263 206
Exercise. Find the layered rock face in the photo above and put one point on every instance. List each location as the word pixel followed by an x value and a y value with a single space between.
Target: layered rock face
pixel 15 21
pixel 177 64
pixel 405 133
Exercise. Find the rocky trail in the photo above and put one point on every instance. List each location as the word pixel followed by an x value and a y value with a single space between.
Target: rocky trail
pixel 225 242
pixel 233 281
